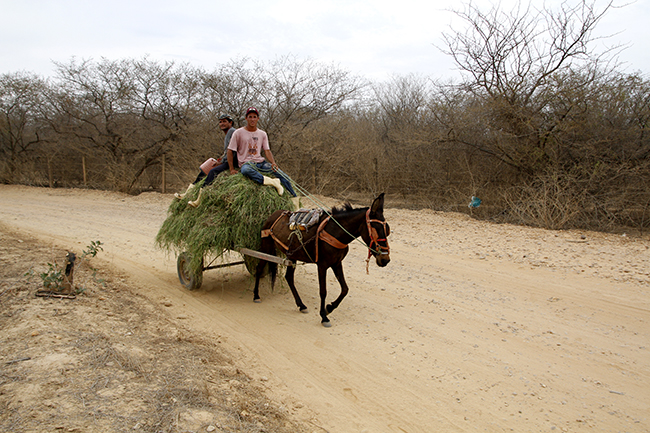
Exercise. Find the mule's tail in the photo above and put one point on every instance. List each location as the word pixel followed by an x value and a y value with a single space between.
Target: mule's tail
pixel 268 247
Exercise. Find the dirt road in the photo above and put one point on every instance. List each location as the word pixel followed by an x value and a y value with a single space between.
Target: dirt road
pixel 471 327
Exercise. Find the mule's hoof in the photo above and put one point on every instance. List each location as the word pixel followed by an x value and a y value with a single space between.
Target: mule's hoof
pixel 327 324
pixel 304 310
pixel 257 301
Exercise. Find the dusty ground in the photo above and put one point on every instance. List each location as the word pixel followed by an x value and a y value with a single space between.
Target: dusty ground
pixel 471 327
pixel 110 360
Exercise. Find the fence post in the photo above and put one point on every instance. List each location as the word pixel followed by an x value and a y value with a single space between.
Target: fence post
pixel 376 173
pixel 83 165
pixel 164 185
pixel 49 172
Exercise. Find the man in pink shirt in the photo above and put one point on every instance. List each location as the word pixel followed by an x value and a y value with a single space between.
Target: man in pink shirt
pixel 246 147
pixel 248 143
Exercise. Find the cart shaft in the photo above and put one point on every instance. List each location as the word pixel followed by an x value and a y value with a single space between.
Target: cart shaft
pixel 267 257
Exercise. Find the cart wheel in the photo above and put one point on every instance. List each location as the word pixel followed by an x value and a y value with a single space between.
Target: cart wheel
pixel 188 277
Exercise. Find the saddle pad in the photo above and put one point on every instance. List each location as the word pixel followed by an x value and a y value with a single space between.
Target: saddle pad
pixel 304 218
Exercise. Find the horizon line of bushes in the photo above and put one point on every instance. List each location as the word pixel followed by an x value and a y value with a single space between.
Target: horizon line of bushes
pixel 549 135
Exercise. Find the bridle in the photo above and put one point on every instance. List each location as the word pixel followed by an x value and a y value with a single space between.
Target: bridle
pixel 374 238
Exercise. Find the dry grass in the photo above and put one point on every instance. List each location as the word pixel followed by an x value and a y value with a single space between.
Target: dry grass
pixel 231 214
pixel 111 360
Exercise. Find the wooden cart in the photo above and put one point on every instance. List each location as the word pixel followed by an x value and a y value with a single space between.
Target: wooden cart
pixel 192 279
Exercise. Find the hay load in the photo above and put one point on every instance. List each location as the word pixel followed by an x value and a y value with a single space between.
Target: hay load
pixel 230 215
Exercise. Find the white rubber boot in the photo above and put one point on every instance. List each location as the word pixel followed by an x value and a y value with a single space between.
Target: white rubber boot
pixel 274 182
pixel 196 202
pixel 180 196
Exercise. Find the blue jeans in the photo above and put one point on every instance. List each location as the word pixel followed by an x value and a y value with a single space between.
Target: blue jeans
pixel 216 171
pixel 257 170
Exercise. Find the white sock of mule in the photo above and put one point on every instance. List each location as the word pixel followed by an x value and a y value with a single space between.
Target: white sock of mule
pixel 274 182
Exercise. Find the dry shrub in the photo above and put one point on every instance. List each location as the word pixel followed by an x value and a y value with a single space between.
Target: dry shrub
pixel 551 202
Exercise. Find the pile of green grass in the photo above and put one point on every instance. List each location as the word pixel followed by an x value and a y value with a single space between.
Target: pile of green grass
pixel 230 215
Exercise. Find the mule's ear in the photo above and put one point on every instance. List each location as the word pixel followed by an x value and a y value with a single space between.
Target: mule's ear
pixel 378 205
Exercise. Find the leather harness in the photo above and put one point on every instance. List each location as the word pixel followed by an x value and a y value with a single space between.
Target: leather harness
pixel 323 235
pixel 320 234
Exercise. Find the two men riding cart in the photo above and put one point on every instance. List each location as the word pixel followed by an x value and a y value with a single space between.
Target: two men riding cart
pixel 235 214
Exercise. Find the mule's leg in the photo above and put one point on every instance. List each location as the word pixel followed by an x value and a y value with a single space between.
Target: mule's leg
pixel 258 276
pixel 322 284
pixel 338 272
pixel 291 270
pixel 268 247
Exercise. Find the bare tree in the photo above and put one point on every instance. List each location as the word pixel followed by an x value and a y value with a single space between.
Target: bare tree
pixel 300 92
pixel 510 60
pixel 232 88
pixel 20 133
pixel 290 93
pixel 127 113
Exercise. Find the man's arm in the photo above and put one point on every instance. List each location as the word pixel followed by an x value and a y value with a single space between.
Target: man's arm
pixel 226 142
pixel 231 164
pixel 269 157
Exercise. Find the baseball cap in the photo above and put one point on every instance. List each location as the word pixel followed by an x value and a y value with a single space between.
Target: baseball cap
pixel 252 110
pixel 227 117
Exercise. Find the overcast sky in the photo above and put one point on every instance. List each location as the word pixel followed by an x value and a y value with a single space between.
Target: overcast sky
pixel 372 38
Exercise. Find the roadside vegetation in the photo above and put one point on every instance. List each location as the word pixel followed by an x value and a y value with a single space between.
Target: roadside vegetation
pixel 542 124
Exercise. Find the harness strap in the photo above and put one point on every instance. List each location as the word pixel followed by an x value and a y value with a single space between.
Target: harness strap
pixel 269 232
pixel 324 236
pixel 328 238
pixel 321 234
pixel 374 237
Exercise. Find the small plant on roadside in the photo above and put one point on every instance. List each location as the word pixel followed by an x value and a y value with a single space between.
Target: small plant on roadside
pixel 94 248
pixel 54 278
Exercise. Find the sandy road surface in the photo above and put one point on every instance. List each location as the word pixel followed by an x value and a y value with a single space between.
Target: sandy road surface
pixel 471 327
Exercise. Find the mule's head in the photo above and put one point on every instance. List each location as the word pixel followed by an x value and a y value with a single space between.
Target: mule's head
pixel 376 231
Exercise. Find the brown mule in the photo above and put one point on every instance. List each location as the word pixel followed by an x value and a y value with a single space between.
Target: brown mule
pixel 326 245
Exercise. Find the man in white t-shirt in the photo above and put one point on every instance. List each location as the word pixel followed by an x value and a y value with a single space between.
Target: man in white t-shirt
pixel 247 144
